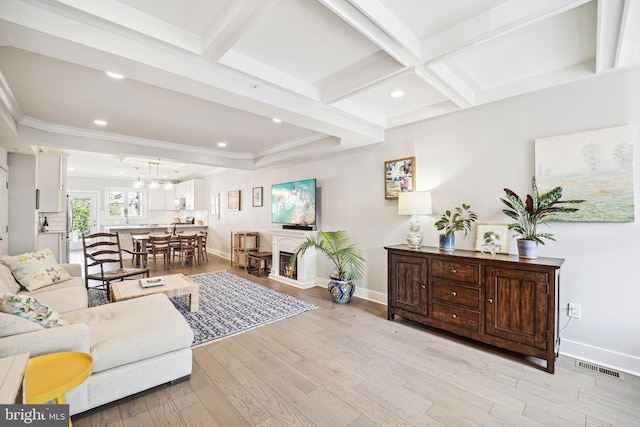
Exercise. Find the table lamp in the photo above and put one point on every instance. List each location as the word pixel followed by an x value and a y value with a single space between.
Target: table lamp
pixel 414 203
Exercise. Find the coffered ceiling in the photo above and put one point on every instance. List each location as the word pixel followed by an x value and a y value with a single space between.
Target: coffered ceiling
pixel 200 72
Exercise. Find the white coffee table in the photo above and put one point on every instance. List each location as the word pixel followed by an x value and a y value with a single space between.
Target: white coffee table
pixel 175 285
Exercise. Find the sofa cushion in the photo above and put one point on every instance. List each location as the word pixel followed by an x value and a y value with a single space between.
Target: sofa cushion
pixel 61 297
pixel 132 330
pixel 31 309
pixel 14 325
pixel 7 279
pixel 36 269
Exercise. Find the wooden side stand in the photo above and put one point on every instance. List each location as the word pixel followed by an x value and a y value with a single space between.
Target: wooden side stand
pixel 258 258
pixel 242 244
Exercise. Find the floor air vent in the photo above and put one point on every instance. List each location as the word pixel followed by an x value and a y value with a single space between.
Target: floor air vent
pixel 599 369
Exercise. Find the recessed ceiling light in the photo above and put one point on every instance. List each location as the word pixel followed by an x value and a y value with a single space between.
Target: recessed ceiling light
pixel 114 75
pixel 397 94
pixel 222 144
pixel 277 120
pixel 100 122
pixel 71 168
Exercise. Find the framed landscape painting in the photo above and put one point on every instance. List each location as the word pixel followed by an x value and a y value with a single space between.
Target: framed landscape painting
pixel 399 176
pixel 596 166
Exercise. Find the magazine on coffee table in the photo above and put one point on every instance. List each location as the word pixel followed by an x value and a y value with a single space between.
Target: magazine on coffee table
pixel 148 282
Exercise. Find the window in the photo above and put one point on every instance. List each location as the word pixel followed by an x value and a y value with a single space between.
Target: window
pixel 125 202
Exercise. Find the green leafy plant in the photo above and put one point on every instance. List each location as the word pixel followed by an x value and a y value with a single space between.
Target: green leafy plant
pixel 460 219
pixel 348 260
pixel 534 210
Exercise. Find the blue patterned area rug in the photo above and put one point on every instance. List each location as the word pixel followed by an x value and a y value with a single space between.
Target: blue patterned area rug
pixel 229 305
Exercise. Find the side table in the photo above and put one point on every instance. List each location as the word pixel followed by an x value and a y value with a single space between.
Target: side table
pixel 50 376
pixel 258 258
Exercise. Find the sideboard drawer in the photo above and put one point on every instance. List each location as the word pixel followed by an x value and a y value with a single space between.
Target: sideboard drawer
pixel 457 316
pixel 457 294
pixel 456 272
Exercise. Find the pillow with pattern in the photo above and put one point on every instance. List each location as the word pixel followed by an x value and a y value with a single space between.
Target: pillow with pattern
pixel 36 269
pixel 31 309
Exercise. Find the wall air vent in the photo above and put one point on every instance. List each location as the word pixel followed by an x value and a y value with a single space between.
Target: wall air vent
pixel 599 369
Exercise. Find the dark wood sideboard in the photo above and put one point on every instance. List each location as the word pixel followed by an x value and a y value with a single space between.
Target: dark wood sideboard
pixel 504 301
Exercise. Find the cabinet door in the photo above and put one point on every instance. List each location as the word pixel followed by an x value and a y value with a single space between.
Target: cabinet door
pixel 169 200
pixel 408 283
pixel 516 306
pixel 49 183
pixel 156 199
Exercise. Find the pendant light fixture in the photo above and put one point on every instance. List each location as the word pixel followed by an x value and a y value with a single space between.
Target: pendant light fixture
pixel 170 184
pixel 153 183
pixel 138 183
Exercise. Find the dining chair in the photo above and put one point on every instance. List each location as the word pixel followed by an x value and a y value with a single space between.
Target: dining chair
pixel 187 248
pixel 137 247
pixel 202 253
pixel 103 260
pixel 160 245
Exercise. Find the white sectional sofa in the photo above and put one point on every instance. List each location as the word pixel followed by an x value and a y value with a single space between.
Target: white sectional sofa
pixel 136 344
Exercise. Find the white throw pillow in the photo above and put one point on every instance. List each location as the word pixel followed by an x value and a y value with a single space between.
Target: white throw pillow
pixel 30 308
pixel 36 269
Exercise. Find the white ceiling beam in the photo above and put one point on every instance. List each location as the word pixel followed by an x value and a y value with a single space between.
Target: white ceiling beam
pixel 371 31
pixel 499 21
pixel 387 21
pixel 609 33
pixel 127 17
pixel 229 26
pixel 448 83
pixel 629 41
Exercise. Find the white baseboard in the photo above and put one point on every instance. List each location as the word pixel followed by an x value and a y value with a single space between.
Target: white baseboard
pixel 600 356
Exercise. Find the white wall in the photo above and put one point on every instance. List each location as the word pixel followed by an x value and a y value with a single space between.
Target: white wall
pixel 470 157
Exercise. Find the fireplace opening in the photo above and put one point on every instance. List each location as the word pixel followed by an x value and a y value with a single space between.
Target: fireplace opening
pixel 285 266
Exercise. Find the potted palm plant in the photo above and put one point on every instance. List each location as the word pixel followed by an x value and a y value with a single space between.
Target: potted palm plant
pixel 459 219
pixel 347 259
pixel 529 213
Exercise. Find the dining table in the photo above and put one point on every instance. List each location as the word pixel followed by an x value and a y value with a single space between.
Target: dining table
pixel 141 241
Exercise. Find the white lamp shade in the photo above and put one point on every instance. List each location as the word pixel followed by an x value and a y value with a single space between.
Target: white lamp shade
pixel 414 203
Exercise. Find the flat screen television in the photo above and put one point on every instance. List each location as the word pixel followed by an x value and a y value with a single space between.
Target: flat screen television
pixel 294 203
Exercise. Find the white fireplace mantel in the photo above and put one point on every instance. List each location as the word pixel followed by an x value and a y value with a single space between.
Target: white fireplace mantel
pixel 287 241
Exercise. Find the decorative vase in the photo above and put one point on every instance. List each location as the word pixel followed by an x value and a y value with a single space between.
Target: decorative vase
pixel 527 249
pixel 447 243
pixel 341 290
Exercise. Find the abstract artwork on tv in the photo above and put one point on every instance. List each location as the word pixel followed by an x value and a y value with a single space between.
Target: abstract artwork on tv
pixel 294 202
pixel 596 166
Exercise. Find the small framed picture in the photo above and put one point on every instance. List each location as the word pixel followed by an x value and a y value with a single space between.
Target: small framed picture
pixel 257 196
pixel 399 176
pixel 492 234
pixel 215 206
pixel 234 200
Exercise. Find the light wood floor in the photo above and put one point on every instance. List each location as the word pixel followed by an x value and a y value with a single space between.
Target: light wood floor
pixel 347 365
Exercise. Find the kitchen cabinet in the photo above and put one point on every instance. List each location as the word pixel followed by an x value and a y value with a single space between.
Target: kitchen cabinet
pixel 57 242
pixel 192 192
pixel 51 178
pixel 161 199
pixel 502 301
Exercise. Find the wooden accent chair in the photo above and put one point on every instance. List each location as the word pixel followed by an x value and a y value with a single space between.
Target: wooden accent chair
pixel 160 245
pixel 103 260
pixel 187 248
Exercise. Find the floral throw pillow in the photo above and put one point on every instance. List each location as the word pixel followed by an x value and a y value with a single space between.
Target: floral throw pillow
pixel 36 269
pixel 31 309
